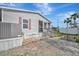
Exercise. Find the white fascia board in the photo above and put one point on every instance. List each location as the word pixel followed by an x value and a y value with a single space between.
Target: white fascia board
pixel 8 8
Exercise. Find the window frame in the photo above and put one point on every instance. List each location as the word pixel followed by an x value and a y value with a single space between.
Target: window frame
pixel 25 22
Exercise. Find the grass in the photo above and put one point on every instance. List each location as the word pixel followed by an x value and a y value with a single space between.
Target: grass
pixel 77 38
pixel 58 34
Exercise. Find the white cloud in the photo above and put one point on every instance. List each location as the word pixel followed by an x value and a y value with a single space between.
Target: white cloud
pixel 65 15
pixel 44 8
pixel 7 4
pixel 11 4
pixel 62 16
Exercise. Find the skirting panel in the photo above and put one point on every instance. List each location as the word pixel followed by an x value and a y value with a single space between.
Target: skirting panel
pixel 10 43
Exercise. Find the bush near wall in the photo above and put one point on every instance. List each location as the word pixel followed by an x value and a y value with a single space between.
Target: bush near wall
pixel 71 37
pixel 77 38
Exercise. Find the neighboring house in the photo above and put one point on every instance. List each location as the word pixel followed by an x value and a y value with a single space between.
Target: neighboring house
pixel 69 30
pixel 15 23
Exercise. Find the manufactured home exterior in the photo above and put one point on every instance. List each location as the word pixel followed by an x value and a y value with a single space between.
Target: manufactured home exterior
pixel 18 23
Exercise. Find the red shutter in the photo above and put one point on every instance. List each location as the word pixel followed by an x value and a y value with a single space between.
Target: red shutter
pixel 20 23
pixel 29 24
pixel 20 20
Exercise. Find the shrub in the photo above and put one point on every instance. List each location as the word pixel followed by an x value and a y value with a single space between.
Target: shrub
pixel 77 39
pixel 58 34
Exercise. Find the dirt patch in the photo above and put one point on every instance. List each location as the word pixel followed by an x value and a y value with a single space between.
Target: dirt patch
pixel 30 40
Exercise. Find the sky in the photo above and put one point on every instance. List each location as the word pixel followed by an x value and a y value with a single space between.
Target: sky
pixel 55 12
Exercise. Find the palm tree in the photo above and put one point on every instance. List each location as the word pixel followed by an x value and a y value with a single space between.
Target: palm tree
pixel 77 15
pixel 71 24
pixel 67 21
pixel 74 16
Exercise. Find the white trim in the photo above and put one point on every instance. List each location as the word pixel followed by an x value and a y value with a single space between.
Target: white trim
pixel 16 9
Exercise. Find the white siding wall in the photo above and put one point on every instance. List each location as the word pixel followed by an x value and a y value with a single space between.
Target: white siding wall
pixel 13 17
pixel 10 16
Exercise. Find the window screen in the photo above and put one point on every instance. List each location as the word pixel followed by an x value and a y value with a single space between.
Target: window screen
pixel 9 30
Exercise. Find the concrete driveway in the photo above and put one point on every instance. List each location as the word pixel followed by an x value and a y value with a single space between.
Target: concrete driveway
pixel 69 48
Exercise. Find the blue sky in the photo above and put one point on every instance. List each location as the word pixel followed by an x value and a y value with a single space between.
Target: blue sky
pixel 55 12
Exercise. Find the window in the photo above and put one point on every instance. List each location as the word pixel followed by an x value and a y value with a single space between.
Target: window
pixel 25 23
pixel 48 25
pixel 45 24
pixel 40 26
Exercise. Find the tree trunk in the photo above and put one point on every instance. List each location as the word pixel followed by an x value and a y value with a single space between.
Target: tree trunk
pixel 74 23
pixel 67 31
